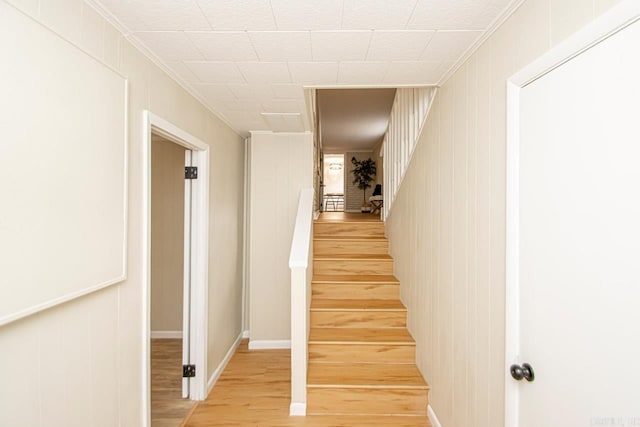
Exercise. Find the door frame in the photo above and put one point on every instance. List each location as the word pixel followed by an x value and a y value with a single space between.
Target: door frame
pixel 616 19
pixel 199 249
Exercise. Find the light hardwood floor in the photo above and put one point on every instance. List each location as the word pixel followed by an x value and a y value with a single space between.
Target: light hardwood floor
pixel 348 216
pixel 168 409
pixel 254 390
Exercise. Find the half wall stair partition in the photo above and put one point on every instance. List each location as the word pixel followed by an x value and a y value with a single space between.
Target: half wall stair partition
pixel 408 115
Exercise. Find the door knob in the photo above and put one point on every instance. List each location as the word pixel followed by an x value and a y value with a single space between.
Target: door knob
pixel 525 371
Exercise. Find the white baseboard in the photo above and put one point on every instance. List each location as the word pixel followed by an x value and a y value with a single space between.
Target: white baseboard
pixel 166 334
pixel 245 334
pixel 297 409
pixel 269 344
pixel 227 357
pixel 432 417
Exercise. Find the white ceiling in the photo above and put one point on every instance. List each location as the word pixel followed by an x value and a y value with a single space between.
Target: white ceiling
pixel 249 60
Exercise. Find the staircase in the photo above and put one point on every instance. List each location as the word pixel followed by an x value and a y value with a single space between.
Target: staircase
pixel 361 356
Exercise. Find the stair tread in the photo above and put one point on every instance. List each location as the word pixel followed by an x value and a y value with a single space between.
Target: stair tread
pixel 346 217
pixel 398 336
pixel 350 238
pixel 355 278
pixel 342 257
pixel 357 305
pixel 369 375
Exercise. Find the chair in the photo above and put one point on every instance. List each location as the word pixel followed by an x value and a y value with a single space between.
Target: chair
pixel 334 199
pixel 376 199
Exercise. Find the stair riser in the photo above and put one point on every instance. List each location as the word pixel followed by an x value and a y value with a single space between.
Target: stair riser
pixel 353 266
pixel 341 247
pixel 375 353
pixel 346 290
pixel 358 319
pixel 348 229
pixel 325 401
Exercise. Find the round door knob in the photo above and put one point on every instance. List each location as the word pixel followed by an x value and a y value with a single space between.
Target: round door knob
pixel 525 371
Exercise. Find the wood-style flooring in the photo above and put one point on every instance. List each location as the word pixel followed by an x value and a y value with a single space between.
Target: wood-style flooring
pixel 255 390
pixel 168 408
pixel 348 216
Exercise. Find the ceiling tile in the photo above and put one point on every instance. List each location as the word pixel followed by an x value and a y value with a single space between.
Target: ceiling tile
pixel 284 122
pixel 170 46
pixel 362 73
pixel 340 45
pixel 216 72
pixel 377 14
pixel 314 73
pixel 307 14
pixel 288 91
pixel 455 14
pixel 182 71
pixel 238 116
pixel 158 15
pixel 215 91
pixel 249 123
pixel 449 45
pixel 224 45
pixel 283 46
pixel 238 14
pixel 265 72
pixel 398 45
pixel 252 91
pixel 282 106
pixel 416 72
pixel 244 105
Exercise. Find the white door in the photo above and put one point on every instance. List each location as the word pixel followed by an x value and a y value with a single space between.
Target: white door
pixel 186 297
pixel 578 264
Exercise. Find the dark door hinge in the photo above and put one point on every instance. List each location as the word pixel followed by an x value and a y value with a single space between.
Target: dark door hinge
pixel 190 172
pixel 188 371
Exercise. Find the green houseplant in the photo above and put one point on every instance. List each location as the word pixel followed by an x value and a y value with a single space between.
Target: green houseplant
pixel 364 172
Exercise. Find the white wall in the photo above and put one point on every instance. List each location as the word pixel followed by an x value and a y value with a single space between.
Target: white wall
pixel 167 235
pixel 281 165
pixel 447 226
pixel 84 358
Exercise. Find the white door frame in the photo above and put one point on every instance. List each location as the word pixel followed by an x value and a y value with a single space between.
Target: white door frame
pixel 199 259
pixel 619 17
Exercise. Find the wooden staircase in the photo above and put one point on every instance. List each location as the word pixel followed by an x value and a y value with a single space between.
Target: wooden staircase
pixel 361 356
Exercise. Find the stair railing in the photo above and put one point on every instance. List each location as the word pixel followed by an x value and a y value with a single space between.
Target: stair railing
pixel 406 122
pixel 301 265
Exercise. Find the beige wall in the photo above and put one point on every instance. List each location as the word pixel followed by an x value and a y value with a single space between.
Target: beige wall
pixel 447 226
pixel 100 335
pixel 281 165
pixel 353 195
pixel 167 235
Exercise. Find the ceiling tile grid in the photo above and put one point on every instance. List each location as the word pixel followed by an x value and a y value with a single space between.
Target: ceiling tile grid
pixel 258 55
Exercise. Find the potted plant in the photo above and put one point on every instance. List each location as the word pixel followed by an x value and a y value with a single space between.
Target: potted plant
pixel 364 172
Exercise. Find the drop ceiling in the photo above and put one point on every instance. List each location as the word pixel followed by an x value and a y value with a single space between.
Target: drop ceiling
pixel 250 60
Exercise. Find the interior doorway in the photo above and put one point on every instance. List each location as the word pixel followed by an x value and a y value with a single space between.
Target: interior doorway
pixel 333 180
pixel 176 224
pixel 170 304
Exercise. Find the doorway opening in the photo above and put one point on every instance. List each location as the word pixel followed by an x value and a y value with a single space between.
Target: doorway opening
pixel 333 180
pixel 170 304
pixel 175 276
